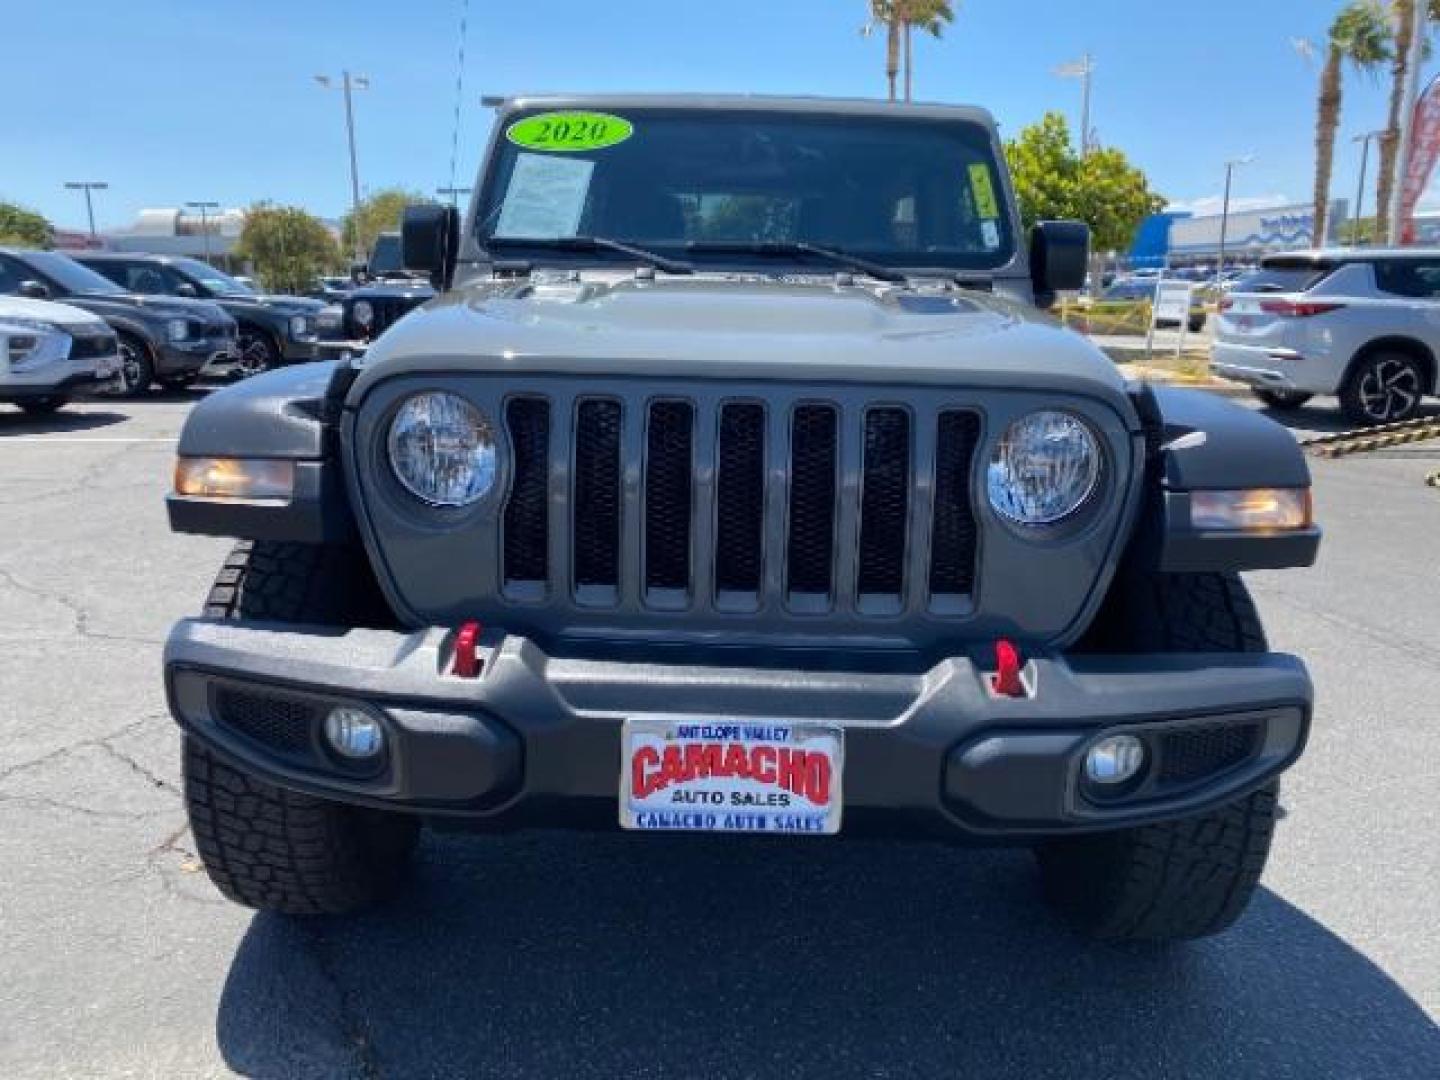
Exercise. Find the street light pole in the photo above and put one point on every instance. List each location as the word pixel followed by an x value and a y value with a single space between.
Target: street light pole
pixel 348 84
pixel 88 186
pixel 1083 69
pixel 1364 141
pixel 1407 122
pixel 204 208
pixel 1225 214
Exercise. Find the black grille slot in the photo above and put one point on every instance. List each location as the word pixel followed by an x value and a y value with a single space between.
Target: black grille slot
pixel 669 464
pixel 884 502
pixel 282 724
pixel 810 548
pixel 952 550
pixel 526 520
pixel 597 494
pixel 740 498
pixel 1198 752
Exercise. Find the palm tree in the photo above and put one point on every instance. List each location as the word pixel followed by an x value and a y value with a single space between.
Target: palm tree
pixel 900 18
pixel 1359 36
pixel 1402 13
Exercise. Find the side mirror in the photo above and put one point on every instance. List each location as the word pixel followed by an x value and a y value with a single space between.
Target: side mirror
pixel 35 290
pixel 187 290
pixel 1059 254
pixel 430 242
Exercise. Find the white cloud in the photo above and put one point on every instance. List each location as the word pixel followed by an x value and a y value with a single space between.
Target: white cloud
pixel 1212 204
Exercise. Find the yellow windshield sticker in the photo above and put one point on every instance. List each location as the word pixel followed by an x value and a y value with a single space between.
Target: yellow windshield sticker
pixel 569 131
pixel 984 192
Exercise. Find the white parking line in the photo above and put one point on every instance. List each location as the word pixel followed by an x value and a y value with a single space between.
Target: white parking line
pixel 68 439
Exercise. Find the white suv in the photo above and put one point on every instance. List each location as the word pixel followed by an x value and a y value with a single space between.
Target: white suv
pixel 1363 325
pixel 49 351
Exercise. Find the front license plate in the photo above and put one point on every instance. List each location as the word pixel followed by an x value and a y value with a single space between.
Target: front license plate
pixel 689 775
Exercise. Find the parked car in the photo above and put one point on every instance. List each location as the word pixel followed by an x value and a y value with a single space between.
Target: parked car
pixel 388 295
pixel 331 289
pixel 1143 288
pixel 766 505
pixel 1361 324
pixel 48 352
pixel 272 330
pixel 169 340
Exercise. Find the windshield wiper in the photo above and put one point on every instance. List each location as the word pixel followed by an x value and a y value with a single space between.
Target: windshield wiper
pixel 595 243
pixel 782 248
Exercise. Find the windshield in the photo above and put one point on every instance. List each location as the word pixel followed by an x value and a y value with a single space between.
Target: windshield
pixel 919 194
pixel 213 280
pixel 69 274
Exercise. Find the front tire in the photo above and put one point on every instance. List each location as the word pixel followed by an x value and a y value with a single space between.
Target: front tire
pixel 1385 387
pixel 137 367
pixel 44 406
pixel 258 353
pixel 265 846
pixel 1177 879
pixel 1283 400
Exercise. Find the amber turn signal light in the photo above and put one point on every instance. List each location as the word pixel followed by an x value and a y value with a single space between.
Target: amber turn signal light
pixel 252 479
pixel 1251 510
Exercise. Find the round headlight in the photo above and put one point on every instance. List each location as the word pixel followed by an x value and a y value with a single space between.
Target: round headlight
pixel 443 450
pixel 1044 468
pixel 364 313
pixel 177 329
pixel 299 326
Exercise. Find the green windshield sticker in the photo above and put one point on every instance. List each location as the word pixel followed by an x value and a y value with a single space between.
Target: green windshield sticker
pixel 570 131
pixel 984 192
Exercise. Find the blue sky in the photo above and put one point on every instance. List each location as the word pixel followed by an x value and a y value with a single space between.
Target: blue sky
pixel 172 100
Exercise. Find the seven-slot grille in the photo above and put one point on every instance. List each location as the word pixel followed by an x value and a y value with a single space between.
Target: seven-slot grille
pixel 740 505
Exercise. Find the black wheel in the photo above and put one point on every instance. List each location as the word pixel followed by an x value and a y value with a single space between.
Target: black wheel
pixel 137 367
pixel 1383 388
pixel 258 352
pixel 265 846
pixel 1177 879
pixel 1283 399
pixel 44 406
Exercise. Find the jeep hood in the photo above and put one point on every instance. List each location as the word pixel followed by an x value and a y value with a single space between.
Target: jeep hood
pixel 745 329
pixel 288 305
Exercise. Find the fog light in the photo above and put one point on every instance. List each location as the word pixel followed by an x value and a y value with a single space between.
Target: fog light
pixel 1114 759
pixel 354 733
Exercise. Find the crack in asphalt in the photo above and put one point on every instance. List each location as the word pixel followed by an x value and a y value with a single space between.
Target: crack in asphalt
pixel 352 1025
pixel 1416 650
pixel 84 744
pixel 80 614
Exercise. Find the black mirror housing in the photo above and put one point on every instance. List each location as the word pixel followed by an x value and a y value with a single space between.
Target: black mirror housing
pixel 35 290
pixel 1059 258
pixel 430 242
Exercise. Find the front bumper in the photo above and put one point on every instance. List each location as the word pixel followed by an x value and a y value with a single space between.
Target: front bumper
pixel 209 356
pixel 536 738
pixel 76 383
pixel 1267 368
pixel 299 350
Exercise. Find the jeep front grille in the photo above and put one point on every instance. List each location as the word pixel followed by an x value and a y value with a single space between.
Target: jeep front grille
pixel 738 505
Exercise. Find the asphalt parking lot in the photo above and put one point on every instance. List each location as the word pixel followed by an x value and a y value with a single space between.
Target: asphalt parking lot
pixel 541 955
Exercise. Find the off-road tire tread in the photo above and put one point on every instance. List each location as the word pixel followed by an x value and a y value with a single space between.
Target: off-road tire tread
pixel 278 850
pixel 1172 881
pixel 265 846
pixel 1177 879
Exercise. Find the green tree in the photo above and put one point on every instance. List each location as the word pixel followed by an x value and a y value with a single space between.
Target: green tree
pixel 1360 37
pixel 900 19
pixel 379 213
pixel 23 227
pixel 287 247
pixel 1103 189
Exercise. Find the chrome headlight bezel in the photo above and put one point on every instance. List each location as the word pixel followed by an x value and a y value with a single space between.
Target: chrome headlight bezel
pixel 1012 479
pixel 363 312
pixel 460 440
pixel 177 329
pixel 299 326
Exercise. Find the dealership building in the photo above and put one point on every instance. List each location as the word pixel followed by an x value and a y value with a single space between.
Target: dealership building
pixel 1180 239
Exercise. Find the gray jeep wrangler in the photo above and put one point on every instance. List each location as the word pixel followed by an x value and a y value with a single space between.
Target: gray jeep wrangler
pixel 734 483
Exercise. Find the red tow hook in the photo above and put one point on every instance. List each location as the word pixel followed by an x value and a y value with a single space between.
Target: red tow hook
pixel 1006 681
pixel 467 655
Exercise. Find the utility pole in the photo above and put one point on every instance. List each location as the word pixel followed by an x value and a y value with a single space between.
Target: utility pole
pixel 205 208
pixel 1084 70
pixel 1407 122
pixel 452 193
pixel 349 83
pixel 88 186
pixel 1364 140
pixel 1225 214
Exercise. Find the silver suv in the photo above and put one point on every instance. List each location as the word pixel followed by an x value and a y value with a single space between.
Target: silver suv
pixel 1362 325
